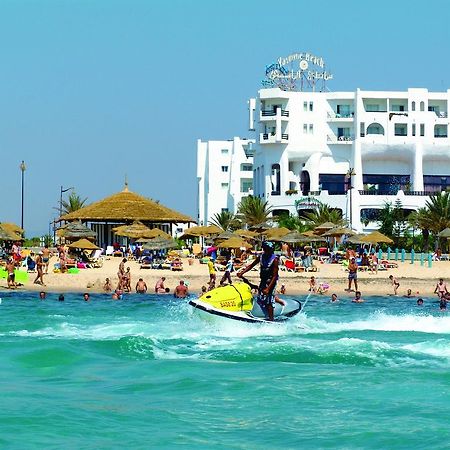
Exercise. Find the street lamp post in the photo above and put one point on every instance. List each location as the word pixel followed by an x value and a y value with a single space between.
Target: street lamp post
pixel 349 175
pixel 61 192
pixel 22 169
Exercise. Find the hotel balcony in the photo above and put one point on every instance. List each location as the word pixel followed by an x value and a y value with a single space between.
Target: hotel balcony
pixel 333 139
pixel 335 117
pixel 271 138
pixel 271 114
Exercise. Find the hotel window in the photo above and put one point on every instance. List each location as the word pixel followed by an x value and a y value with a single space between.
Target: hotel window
pixel 372 108
pixel 305 106
pixel 246 167
pixel 225 185
pixel 276 179
pixel 413 129
pixel 224 151
pixel 311 128
pixel 422 106
pixel 311 106
pixel 224 168
pixel 224 209
pixel 422 129
pixel 401 129
pixel 333 183
pixel 246 185
pixel 413 106
pixel 305 128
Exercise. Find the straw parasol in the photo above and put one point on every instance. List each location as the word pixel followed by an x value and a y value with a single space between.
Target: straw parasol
pixel 324 227
pixel 9 226
pixel 83 244
pixel 260 227
pixel 246 233
pixel 339 231
pixel 224 236
pixel 376 238
pixel 135 230
pixel 292 237
pixel 126 206
pixel 159 243
pixel 277 232
pixel 357 239
pixel 8 235
pixel 201 230
pixel 445 233
pixel 154 233
pixel 76 230
pixel 234 242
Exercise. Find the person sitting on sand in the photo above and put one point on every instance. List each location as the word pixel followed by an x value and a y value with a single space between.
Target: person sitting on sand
pixel 181 291
pixel 159 286
pixel 441 288
pixel 323 288
pixel 141 287
pixel 358 298
pixel 107 286
pixel 395 283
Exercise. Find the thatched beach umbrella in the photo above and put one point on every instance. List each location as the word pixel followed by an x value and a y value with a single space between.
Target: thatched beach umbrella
pixel 234 242
pixel 376 238
pixel 277 232
pixel 76 230
pixel 224 236
pixel 135 230
pixel 324 227
pixel 357 239
pixel 201 230
pixel 293 237
pixel 83 244
pixel 9 226
pixel 246 234
pixel 156 232
pixel 8 235
pixel 260 227
pixel 339 231
pixel 159 243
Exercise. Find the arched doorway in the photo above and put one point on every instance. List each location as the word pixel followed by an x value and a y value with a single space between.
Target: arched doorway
pixel 305 183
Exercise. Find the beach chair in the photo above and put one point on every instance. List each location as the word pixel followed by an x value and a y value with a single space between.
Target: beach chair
pixel 95 259
pixel 109 250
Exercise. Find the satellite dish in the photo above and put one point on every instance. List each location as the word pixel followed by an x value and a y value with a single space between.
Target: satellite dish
pixel 303 64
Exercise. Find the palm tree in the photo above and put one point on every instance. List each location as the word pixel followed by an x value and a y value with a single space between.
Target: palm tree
pixel 324 213
pixel 253 210
pixel 292 222
pixel 438 207
pixel 226 220
pixel 420 219
pixel 73 203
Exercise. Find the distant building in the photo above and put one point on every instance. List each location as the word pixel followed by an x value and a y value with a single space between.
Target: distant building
pixel 316 146
pixel 224 175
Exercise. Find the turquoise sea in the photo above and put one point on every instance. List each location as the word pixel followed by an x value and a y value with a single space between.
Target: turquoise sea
pixel 146 372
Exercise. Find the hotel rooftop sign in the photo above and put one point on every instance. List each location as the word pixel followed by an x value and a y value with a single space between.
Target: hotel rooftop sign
pixel 297 72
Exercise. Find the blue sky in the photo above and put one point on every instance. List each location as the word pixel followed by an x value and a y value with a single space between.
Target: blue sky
pixel 91 91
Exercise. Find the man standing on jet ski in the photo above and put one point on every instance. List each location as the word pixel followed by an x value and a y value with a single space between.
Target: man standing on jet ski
pixel 268 274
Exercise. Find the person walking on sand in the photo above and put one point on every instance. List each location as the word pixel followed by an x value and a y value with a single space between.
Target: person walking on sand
pixel 141 286
pixel 212 273
pixel 126 280
pixel 40 270
pixel 268 278
pixel 395 283
pixel 352 274
pixel 46 257
pixel 441 288
pixel 228 269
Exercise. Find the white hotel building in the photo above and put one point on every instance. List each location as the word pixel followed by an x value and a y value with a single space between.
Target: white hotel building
pixel 395 144
pixel 354 151
pixel 224 176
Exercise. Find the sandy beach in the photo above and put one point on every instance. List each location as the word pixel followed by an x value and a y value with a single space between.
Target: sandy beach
pixel 420 279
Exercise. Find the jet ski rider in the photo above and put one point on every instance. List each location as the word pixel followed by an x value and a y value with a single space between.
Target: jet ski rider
pixel 268 274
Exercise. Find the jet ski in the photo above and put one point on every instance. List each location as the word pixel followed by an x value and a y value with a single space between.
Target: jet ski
pixel 235 301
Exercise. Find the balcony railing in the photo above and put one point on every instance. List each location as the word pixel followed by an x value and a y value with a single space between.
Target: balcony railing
pixel 272 113
pixel 440 136
pixel 441 115
pixel 334 115
pixel 332 138
pixel 314 192
pixel 284 137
